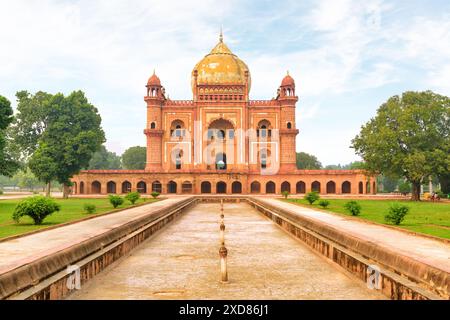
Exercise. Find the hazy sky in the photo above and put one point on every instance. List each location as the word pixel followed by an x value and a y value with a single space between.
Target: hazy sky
pixel 347 57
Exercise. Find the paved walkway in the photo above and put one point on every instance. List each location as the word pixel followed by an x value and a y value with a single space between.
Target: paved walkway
pixel 182 262
pixel 432 252
pixel 17 252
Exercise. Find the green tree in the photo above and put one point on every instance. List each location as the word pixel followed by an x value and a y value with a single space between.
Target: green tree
pixel 134 158
pixel 409 137
pixel 7 165
pixel 307 161
pixel 104 160
pixel 72 135
pixel 31 121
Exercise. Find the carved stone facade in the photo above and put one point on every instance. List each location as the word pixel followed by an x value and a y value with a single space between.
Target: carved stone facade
pixel 221 142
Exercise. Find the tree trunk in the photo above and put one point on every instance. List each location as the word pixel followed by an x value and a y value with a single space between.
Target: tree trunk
pixel 415 195
pixel 65 191
pixel 47 191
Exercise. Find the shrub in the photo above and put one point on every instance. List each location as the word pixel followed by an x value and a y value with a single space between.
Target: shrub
pixel 285 194
pixel 133 197
pixel 353 207
pixel 37 208
pixel 324 203
pixel 1 192
pixel 115 200
pixel 90 208
pixel 155 194
pixel 397 213
pixel 312 197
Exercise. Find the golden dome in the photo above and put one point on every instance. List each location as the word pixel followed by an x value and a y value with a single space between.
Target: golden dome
pixel 221 66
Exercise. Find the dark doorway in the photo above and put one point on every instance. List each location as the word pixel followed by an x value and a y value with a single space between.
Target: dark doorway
pixel 221 187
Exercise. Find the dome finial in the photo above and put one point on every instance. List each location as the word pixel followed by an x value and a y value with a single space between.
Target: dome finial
pixel 221 34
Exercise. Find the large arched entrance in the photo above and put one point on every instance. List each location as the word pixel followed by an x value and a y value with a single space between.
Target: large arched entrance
pixel 96 187
pixel 315 186
pixel 331 187
pixel 126 187
pixel 236 187
pixel 255 187
pixel 300 187
pixel 111 187
pixel 346 187
pixel 220 137
pixel 221 187
pixel 172 187
pixel 270 187
pixel 81 187
pixel 206 187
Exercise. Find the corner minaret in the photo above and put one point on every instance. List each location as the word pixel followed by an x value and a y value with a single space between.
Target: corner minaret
pixel 154 129
pixel 288 132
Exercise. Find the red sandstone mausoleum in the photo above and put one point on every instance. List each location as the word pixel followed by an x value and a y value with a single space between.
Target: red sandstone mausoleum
pixel 221 142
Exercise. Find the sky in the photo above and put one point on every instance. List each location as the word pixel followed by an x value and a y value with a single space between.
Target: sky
pixel 347 57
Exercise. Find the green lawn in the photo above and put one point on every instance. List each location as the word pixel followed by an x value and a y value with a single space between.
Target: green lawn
pixel 71 210
pixel 423 217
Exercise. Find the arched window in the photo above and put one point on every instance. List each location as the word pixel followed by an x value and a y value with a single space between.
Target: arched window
pixel 346 187
pixel 360 188
pixel 172 187
pixel 126 187
pixel 315 186
pixel 186 187
pixel 374 188
pixel 264 129
pixel 96 187
pixel 286 186
pixel 157 187
pixel 221 187
pixel 300 187
pixel 142 187
pixel 331 187
pixel 177 129
pixel 289 125
pixel 153 125
pixel 367 187
pixel 255 187
pixel 236 187
pixel 206 187
pixel 270 187
pixel 111 187
pixel 81 187
pixel 219 129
